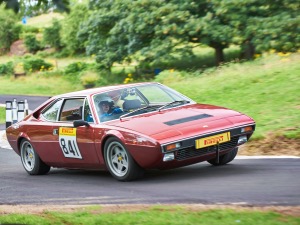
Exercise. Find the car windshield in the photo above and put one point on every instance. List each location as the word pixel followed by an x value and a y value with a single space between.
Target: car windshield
pixel 136 100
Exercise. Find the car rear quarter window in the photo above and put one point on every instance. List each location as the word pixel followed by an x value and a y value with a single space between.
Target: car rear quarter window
pixel 51 112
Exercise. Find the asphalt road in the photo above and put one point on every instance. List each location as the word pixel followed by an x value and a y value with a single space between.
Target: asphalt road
pixel 244 181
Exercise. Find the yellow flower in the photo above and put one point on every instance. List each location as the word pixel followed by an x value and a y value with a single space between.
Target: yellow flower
pixel 129 75
pixel 272 51
pixel 284 54
pixel 257 56
pixel 172 70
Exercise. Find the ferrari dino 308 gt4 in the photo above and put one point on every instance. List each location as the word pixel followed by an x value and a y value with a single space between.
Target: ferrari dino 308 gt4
pixel 127 129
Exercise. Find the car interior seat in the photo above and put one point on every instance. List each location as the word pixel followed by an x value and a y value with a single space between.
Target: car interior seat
pixel 132 104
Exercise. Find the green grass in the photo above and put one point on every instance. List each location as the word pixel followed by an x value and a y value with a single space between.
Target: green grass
pixel 2 115
pixel 266 89
pixel 154 216
pixel 46 18
pixel 37 84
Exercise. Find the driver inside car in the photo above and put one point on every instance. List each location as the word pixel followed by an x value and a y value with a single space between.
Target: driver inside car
pixel 107 109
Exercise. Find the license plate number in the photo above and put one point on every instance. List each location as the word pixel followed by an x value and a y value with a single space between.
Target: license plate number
pixel 212 140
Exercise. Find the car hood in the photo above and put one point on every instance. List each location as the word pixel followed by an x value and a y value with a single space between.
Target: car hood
pixel 185 121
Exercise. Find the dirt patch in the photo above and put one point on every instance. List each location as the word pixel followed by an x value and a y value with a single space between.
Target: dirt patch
pixel 18 48
pixel 272 145
pixel 40 209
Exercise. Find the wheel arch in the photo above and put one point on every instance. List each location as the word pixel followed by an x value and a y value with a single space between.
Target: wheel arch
pixel 19 141
pixel 110 134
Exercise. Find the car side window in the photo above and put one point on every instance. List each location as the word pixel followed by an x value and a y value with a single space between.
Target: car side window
pixel 52 112
pixel 72 109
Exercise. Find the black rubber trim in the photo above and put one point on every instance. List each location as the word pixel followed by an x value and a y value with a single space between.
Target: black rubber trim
pixel 187 119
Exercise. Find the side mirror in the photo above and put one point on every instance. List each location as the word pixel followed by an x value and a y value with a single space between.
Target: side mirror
pixel 79 123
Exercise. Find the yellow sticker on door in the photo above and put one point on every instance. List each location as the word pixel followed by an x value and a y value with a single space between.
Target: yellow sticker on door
pixel 68 142
pixel 67 131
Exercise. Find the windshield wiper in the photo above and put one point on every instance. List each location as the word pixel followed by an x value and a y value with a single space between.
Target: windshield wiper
pixel 139 109
pixel 178 102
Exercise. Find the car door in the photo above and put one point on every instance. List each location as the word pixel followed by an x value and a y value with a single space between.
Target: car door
pixel 41 136
pixel 76 144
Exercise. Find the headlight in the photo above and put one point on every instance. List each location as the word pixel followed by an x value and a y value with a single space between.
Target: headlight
pixel 169 157
pixel 242 139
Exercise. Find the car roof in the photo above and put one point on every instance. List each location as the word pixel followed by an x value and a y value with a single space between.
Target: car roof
pixel 92 91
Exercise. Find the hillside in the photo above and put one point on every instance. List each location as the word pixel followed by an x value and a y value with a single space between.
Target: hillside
pixel 266 89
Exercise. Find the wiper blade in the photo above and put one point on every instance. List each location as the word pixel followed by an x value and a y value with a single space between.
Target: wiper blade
pixel 139 109
pixel 173 103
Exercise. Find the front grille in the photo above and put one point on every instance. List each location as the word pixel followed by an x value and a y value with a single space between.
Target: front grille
pixel 191 152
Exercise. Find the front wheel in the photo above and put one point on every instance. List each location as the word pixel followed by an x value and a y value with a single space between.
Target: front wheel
pixel 224 159
pixel 119 162
pixel 31 160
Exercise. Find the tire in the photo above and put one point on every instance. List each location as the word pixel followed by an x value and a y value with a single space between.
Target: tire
pixel 119 162
pixel 31 160
pixel 224 159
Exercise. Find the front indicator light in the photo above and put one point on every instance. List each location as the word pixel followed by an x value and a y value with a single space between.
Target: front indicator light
pixel 242 140
pixel 172 146
pixel 246 129
pixel 168 157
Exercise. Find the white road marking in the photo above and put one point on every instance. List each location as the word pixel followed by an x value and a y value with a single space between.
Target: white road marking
pixel 268 157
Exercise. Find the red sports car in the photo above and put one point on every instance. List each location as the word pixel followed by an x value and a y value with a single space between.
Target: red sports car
pixel 127 129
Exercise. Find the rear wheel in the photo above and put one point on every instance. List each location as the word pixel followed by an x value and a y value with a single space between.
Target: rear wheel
pixel 224 159
pixel 119 162
pixel 31 161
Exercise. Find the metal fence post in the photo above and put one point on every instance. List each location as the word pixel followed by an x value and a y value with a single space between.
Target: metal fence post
pixel 8 112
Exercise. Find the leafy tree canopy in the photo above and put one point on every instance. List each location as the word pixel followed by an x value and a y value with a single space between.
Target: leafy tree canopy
pixel 32 7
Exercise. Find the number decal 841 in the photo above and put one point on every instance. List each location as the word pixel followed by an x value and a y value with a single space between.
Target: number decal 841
pixel 68 144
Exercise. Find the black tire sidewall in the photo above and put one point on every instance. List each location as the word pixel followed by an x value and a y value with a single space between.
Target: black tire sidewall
pixel 224 159
pixel 39 166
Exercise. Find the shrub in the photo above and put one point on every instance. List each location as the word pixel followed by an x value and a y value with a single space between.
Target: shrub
pixel 75 68
pixel 51 35
pixel 30 29
pixel 6 69
pixel 32 64
pixel 89 78
pixel 31 43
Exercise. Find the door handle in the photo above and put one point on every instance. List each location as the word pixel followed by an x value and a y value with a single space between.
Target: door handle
pixel 55 131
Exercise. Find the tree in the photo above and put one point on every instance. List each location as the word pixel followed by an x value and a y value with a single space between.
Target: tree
pixel 96 31
pixel 9 29
pixel 27 7
pixel 70 27
pixel 154 28
pixel 262 25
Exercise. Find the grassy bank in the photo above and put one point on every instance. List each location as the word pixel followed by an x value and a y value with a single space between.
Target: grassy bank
pixel 153 216
pixel 266 89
